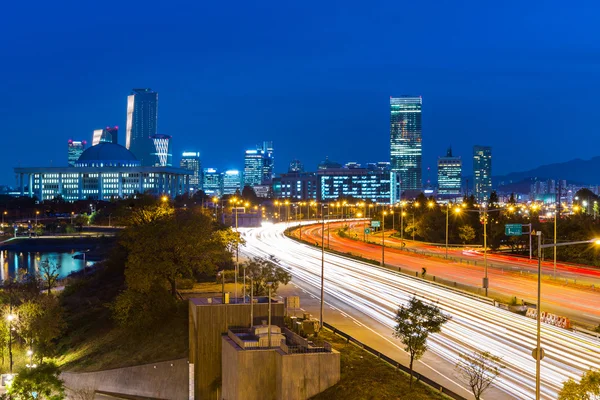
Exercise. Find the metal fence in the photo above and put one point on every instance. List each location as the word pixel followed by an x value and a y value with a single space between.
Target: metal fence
pixel 430 382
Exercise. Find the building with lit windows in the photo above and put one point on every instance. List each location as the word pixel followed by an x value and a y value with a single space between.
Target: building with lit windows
pixel 268 163
pixel 76 148
pixel 253 167
pixel 232 181
pixel 106 135
pixel 449 174
pixel 296 185
pixel 102 172
pixel 162 151
pixel 359 183
pixel 296 166
pixel 190 160
pixel 212 182
pixel 482 172
pixel 405 144
pixel 142 118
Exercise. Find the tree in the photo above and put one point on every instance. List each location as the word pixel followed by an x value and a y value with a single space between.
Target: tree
pixel 47 327
pixel 42 382
pixel 466 233
pixel 415 322
pixel 261 271
pixel 249 195
pixel 588 388
pixel 480 369
pixel 48 273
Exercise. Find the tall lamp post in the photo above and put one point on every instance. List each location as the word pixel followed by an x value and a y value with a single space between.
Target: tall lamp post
pixel 538 352
pixel 322 264
pixel 383 214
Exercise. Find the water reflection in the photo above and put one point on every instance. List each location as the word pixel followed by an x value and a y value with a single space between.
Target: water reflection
pixel 13 261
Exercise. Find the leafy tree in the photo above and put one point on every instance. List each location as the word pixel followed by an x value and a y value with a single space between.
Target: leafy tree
pixel 466 233
pixel 149 213
pixel 588 388
pixel 512 200
pixel 42 382
pixel 261 271
pixel 48 273
pixel 415 321
pixel 27 314
pixel 480 369
pixel 249 195
pixel 493 200
pixel 48 326
pixel 167 249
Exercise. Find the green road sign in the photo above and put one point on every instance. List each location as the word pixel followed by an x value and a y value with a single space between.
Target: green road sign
pixel 367 231
pixel 513 229
pixel 375 224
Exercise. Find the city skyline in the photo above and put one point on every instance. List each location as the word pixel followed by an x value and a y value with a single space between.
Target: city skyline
pixel 328 100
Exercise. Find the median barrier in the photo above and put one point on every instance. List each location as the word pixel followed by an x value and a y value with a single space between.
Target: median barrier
pixel 419 377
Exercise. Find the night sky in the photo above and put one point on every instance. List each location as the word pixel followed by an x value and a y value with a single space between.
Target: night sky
pixel 314 77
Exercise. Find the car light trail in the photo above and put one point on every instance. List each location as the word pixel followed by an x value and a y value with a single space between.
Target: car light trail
pixel 377 293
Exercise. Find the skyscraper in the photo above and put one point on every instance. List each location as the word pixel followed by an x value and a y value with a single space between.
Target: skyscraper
pixel 75 150
pixel 212 182
pixel 449 174
pixel 162 151
pixel 106 135
pixel 482 172
pixel 268 163
pixel 254 162
pixel 405 144
pixel 142 118
pixel 190 160
pixel 232 181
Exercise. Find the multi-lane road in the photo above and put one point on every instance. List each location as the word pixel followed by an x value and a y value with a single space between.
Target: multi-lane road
pixel 368 291
pixel 507 278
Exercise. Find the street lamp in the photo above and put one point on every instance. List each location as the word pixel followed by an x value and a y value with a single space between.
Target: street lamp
pixel 383 214
pixel 322 263
pixel 164 199
pixel 3 214
pixel 36 217
pixel 538 352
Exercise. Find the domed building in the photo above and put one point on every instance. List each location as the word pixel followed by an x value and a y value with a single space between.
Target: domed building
pixel 102 172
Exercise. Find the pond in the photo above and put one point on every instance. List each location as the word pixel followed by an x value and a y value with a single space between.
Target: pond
pixel 13 261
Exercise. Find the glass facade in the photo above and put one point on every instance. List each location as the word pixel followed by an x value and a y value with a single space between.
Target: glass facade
pixel 449 174
pixel 106 135
pixel 482 172
pixel 190 160
pixel 297 185
pixel 268 163
pixel 212 182
pixel 232 181
pixel 253 167
pixel 162 151
pixel 405 142
pixel 76 148
pixel 142 117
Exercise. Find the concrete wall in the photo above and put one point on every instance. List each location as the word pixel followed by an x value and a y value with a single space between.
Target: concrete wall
pixel 272 374
pixel 208 322
pixel 164 380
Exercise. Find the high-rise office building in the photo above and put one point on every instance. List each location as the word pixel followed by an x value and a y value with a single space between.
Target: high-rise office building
pixel 268 163
pixel 296 166
pixel 190 160
pixel 482 172
pixel 142 118
pixel 232 181
pixel 254 162
pixel 449 174
pixel 212 182
pixel 106 135
pixel 405 144
pixel 76 148
pixel 162 151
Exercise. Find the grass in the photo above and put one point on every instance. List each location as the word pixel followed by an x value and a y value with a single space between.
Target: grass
pixel 93 341
pixel 364 376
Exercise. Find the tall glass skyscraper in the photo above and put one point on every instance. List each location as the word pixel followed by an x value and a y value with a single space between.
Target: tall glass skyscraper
pixel 190 160
pixel 482 172
pixel 232 181
pixel 449 174
pixel 142 118
pixel 268 163
pixel 76 148
pixel 162 151
pixel 405 144
pixel 106 135
pixel 212 182
pixel 254 162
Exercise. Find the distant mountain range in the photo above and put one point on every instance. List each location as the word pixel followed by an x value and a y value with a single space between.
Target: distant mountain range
pixel 583 172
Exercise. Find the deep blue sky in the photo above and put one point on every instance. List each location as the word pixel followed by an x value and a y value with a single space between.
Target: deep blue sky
pixel 315 77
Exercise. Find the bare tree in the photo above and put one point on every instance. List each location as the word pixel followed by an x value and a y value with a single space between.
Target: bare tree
pixel 480 369
pixel 48 273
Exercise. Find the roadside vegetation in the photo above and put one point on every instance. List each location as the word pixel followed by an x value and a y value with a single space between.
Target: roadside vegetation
pixel 364 376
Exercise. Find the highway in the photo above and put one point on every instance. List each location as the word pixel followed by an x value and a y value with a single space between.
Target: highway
pixel 376 293
pixel 507 279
